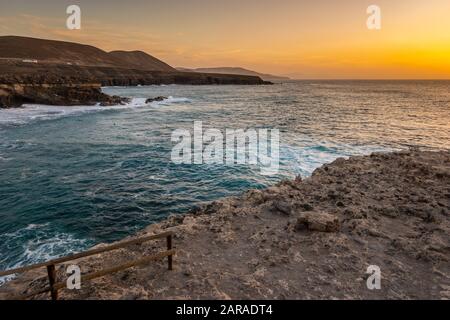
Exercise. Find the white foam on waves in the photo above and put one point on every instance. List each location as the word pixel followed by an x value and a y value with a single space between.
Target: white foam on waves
pixel 35 112
pixel 42 244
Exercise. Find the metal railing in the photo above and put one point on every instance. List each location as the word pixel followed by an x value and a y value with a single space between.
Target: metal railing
pixel 54 286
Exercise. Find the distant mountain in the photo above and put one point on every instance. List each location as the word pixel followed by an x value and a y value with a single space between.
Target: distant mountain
pixel 62 52
pixel 235 70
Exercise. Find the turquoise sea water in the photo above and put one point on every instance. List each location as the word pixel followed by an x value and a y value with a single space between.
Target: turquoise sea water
pixel 72 177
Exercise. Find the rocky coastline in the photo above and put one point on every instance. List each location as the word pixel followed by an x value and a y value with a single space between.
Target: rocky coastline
pixel 59 84
pixel 310 238
pixel 56 94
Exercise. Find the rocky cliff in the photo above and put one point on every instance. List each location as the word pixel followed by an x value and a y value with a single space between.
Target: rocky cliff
pixel 66 73
pixel 12 72
pixel 58 84
pixel 307 238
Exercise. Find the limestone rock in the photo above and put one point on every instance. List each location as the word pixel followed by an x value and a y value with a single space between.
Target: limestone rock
pixel 318 221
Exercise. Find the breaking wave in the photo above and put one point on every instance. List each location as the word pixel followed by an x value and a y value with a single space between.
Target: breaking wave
pixel 36 243
pixel 35 112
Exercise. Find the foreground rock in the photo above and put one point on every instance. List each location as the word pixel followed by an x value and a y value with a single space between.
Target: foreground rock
pixel 317 221
pixel 301 239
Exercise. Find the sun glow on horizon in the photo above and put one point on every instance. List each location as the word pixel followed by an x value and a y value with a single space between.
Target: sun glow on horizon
pixel 297 38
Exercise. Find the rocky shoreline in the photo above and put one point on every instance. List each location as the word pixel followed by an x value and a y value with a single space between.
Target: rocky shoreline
pixel 307 238
pixel 15 95
pixel 59 84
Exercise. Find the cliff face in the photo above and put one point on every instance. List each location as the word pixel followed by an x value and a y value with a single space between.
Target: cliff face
pixel 12 72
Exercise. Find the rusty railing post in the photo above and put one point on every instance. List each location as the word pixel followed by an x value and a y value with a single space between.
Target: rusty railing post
pixel 169 247
pixel 52 280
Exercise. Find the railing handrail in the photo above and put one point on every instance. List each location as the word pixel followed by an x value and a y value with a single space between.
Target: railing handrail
pixel 85 253
pixel 60 285
pixel 51 270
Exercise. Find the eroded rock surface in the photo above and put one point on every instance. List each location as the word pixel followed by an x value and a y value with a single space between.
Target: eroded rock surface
pixel 318 221
pixel 390 210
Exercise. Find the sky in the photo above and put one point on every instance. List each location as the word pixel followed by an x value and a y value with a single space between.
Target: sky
pixel 316 39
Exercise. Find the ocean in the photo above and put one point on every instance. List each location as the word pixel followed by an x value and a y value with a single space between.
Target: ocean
pixel 73 177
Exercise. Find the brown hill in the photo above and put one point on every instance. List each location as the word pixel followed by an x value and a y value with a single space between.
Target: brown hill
pixel 12 47
pixel 140 60
pixel 62 52
pixel 66 73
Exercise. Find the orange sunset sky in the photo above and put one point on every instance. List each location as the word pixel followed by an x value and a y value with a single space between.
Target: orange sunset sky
pixel 300 39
